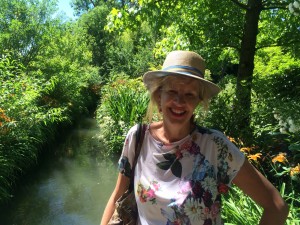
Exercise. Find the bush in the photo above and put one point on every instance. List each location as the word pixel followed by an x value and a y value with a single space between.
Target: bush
pixel 221 112
pixel 124 103
pixel 31 109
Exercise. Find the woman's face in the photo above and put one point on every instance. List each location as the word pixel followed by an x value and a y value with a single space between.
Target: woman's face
pixel 178 99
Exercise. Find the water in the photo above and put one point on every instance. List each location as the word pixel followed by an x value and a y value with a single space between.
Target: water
pixel 69 188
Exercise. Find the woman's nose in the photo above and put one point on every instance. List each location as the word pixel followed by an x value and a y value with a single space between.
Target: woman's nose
pixel 179 98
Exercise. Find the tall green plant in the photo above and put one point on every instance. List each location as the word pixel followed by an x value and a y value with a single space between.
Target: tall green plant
pixel 124 103
pixel 21 120
pixel 240 209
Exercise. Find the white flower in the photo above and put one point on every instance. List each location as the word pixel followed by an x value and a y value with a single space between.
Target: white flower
pixel 291 8
pixel 296 4
pixel 276 116
pixel 119 15
pixel 121 123
pixel 293 128
pixel 110 24
pixel 282 130
pixel 209 184
pixel 193 210
pixel 290 121
pixel 130 10
pixel 282 123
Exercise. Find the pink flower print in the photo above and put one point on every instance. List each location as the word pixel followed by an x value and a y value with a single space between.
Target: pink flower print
pixel 206 210
pixel 185 186
pixel 194 149
pixel 178 154
pixel 185 189
pixel 186 145
pixel 215 209
pixel 156 186
pixel 150 194
pixel 147 194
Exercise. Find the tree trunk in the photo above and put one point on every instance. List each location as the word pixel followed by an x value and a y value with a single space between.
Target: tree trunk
pixel 246 66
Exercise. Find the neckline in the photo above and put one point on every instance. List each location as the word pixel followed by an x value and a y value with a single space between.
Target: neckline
pixel 172 144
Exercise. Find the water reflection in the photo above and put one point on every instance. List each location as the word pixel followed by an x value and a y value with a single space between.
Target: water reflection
pixel 69 188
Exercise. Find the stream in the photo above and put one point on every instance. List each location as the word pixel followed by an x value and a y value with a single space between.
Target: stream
pixel 69 187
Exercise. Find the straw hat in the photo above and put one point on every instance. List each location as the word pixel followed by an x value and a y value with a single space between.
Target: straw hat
pixel 184 63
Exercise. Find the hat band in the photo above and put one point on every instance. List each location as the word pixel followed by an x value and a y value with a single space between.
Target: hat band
pixel 184 69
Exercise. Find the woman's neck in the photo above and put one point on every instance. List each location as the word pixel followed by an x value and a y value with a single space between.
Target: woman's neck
pixel 168 133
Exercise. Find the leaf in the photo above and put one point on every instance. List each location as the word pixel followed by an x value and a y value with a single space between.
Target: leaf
pixel 294 147
pixel 164 165
pixel 176 169
pixel 170 157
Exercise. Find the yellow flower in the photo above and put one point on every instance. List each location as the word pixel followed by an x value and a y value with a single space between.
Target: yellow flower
pixel 246 149
pixel 231 139
pixel 280 158
pixel 234 141
pixel 255 156
pixel 296 170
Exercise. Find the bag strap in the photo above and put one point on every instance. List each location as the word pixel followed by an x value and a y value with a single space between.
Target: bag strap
pixel 140 133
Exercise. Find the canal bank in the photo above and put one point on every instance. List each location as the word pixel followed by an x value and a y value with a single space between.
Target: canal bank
pixel 70 186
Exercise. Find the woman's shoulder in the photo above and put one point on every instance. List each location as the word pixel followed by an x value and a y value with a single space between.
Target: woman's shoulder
pixel 210 132
pixel 214 135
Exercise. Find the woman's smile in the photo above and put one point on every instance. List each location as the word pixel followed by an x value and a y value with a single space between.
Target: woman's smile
pixel 177 112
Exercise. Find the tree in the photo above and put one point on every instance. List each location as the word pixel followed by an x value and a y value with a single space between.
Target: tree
pixel 223 32
pixel 25 25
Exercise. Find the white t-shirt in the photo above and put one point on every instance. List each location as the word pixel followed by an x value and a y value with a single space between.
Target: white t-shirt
pixel 181 182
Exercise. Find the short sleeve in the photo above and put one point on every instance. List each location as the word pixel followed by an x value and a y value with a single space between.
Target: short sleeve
pixel 230 159
pixel 128 153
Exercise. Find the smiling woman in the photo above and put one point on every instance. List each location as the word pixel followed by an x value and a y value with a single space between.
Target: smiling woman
pixel 183 169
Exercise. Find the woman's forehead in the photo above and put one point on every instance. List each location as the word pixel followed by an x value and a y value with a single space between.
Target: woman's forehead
pixel 172 81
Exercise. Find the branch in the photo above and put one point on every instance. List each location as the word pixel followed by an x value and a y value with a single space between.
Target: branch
pixel 278 5
pixel 274 7
pixel 267 46
pixel 278 44
pixel 243 6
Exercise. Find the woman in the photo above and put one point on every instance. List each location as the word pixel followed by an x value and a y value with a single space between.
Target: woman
pixel 183 169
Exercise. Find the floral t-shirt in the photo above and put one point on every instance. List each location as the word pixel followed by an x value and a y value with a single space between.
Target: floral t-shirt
pixel 181 182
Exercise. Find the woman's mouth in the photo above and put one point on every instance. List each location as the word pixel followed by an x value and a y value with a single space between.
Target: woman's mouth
pixel 177 112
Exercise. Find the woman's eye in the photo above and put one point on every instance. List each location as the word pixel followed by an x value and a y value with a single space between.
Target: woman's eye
pixel 173 92
pixel 190 95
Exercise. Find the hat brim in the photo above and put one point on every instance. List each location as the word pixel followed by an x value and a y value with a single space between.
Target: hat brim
pixel 211 88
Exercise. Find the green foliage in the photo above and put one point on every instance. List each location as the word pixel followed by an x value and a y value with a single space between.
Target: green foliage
pixel 124 103
pixel 55 87
pixel 24 26
pixel 21 120
pixel 221 110
pixel 239 209
pixel 276 93
pixel 127 54
pixel 92 25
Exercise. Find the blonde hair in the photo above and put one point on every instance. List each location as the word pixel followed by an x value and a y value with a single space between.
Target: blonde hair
pixel 154 89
